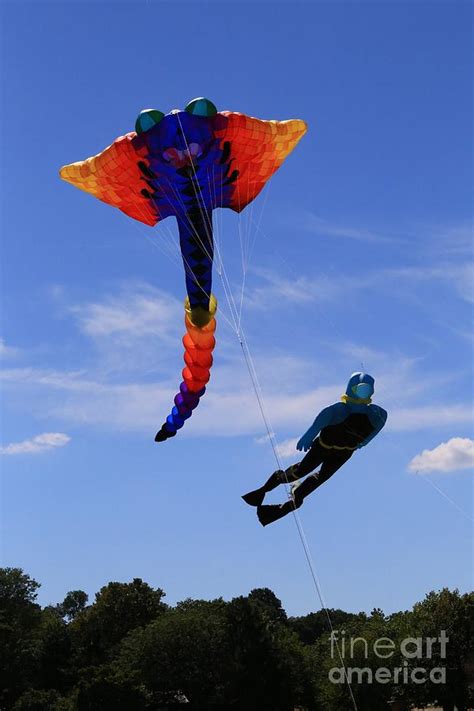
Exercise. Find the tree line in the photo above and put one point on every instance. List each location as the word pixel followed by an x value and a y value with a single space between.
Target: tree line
pixel 130 651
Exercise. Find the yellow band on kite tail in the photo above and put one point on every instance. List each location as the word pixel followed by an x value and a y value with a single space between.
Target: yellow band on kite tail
pixel 198 342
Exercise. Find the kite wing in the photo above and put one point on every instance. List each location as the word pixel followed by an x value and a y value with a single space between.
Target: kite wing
pixel 256 150
pixel 114 177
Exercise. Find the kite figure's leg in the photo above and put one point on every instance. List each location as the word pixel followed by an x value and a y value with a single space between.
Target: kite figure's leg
pixel 255 498
pixel 293 473
pixel 331 463
pixel 268 514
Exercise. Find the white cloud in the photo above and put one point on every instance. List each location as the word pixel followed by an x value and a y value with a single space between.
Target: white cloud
pixel 287 448
pixel 7 351
pixel 453 239
pixel 229 407
pixel 135 329
pixel 464 282
pixel 134 372
pixel 457 453
pixel 287 291
pixel 457 273
pixel 37 445
pixel 299 289
pixel 430 416
pixel 459 276
pixel 53 379
pixel 138 311
pixel 313 223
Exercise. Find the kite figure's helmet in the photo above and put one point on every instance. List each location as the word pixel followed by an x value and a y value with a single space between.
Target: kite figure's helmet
pixel 360 386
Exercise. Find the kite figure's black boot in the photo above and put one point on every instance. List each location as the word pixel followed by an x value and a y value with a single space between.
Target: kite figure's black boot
pixel 255 498
pixel 268 514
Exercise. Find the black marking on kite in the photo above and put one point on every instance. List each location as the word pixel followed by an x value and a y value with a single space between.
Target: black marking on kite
pixel 147 172
pixel 225 153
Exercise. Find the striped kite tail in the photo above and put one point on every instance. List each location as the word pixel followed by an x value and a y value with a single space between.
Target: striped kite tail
pixel 199 342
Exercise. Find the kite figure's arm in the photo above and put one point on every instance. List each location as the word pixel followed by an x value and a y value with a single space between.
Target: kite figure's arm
pixel 324 419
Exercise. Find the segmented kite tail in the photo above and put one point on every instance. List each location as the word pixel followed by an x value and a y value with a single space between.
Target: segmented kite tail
pixel 199 342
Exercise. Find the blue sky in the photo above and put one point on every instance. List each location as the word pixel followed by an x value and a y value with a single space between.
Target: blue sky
pixel 362 259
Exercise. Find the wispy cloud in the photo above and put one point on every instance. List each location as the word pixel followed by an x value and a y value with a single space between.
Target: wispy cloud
pixel 273 287
pixel 136 327
pixel 133 370
pixel 313 223
pixel 138 311
pixel 76 397
pixel 457 453
pixel 287 448
pixel 430 416
pixel 230 406
pixel 401 379
pixel 453 239
pixel 52 379
pixel 459 276
pixel 7 351
pixel 37 445
pixel 270 286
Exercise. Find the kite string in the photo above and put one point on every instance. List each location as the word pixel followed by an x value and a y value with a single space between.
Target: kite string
pixel 207 226
pixel 259 395
pixel 247 251
pixel 445 496
pixel 207 223
pixel 207 219
pixel 299 526
pixel 236 326
pixel 172 255
pixel 174 251
pixel 333 326
pixel 271 436
pixel 246 255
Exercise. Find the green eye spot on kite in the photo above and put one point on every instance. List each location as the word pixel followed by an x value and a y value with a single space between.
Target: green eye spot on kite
pixel 201 107
pixel 147 119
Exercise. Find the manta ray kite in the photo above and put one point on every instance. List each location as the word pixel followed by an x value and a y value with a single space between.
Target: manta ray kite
pixel 185 164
